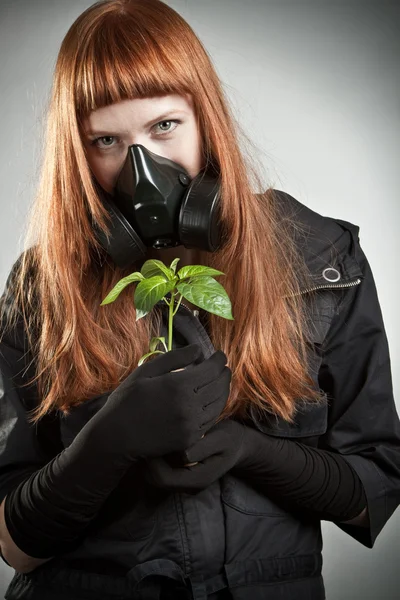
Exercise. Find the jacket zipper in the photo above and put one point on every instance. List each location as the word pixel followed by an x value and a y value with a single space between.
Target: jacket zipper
pixel 330 286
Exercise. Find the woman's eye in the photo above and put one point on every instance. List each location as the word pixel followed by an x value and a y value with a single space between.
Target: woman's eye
pixel 167 129
pixel 106 137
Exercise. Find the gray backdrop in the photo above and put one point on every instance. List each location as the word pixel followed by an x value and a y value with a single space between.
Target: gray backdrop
pixel 316 85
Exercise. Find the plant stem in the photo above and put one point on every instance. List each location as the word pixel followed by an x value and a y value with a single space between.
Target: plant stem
pixel 172 313
pixel 170 320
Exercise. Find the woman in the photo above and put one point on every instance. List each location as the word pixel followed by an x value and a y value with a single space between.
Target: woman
pixel 287 412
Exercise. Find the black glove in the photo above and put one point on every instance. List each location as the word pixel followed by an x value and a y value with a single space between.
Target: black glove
pixel 152 412
pixel 223 447
pixel 315 482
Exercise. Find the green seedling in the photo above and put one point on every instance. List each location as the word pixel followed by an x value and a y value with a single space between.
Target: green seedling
pixel 196 283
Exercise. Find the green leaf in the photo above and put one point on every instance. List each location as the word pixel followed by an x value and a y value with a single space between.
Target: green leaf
pixel 150 291
pixel 173 264
pixel 208 294
pixel 151 268
pixel 141 313
pixel 155 341
pixel 197 271
pixel 143 358
pixel 122 283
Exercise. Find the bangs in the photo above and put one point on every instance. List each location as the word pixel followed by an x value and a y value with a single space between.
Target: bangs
pixel 121 59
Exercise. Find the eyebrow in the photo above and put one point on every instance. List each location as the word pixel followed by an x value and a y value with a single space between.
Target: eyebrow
pixel 104 132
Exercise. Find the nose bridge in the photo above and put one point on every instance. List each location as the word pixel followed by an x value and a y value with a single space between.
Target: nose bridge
pixel 136 138
pixel 142 139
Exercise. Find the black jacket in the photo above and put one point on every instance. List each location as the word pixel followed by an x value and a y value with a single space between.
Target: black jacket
pixel 147 543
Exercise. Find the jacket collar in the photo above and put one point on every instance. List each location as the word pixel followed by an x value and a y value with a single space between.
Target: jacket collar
pixel 327 245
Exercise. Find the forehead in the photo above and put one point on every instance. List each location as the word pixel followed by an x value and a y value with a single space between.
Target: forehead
pixel 137 111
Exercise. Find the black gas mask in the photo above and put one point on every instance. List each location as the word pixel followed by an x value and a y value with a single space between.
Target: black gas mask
pixel 157 205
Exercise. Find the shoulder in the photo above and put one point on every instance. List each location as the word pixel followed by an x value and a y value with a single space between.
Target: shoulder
pixel 320 230
pixel 10 299
pixel 325 242
pixel 27 256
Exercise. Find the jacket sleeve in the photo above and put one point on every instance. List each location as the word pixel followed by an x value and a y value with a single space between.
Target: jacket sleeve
pixel 24 447
pixel 363 424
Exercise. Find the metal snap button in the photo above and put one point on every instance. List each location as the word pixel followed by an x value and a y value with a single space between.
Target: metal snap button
pixel 331 274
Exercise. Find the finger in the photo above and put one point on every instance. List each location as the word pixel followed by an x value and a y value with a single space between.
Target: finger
pixel 169 361
pixel 223 381
pixel 163 476
pixel 204 374
pixel 204 449
pixel 212 409
pixel 204 473
pixel 216 442
pixel 187 479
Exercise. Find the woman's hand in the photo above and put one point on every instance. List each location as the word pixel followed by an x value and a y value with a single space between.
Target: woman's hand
pixel 161 408
pixel 222 448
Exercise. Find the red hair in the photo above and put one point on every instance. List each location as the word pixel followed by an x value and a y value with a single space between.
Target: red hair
pixel 127 49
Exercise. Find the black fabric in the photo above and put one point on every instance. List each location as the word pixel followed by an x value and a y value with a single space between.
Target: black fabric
pixel 46 514
pixel 319 483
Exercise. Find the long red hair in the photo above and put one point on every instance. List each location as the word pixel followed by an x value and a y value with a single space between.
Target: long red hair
pixel 126 49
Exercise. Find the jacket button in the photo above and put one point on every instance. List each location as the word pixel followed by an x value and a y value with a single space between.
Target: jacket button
pixel 331 274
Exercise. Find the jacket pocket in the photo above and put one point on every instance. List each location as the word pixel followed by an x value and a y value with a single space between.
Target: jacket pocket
pixel 244 498
pixel 256 527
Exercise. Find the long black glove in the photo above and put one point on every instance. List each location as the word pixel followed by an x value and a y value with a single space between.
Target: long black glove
pixel 318 483
pixel 151 413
